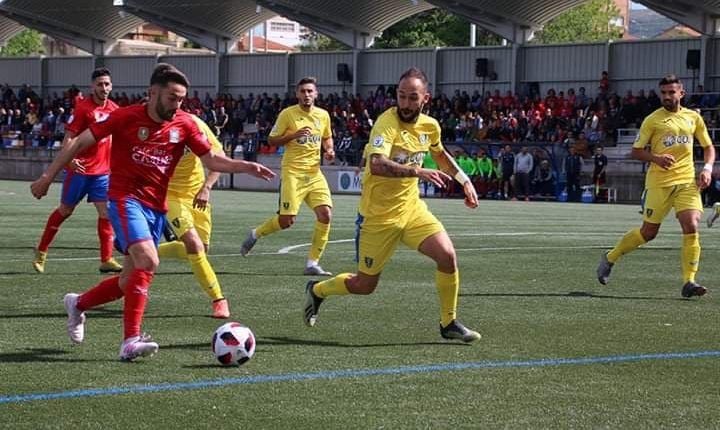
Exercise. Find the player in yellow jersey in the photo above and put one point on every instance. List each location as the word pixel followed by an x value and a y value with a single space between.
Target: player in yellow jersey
pixel 670 182
pixel 391 210
pixel 189 217
pixel 302 129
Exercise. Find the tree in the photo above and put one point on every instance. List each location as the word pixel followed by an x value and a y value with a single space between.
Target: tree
pixel 591 22
pixel 314 41
pixel 431 28
pixel 27 42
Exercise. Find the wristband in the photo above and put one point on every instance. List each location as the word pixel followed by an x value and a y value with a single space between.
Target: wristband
pixel 461 177
pixel 708 167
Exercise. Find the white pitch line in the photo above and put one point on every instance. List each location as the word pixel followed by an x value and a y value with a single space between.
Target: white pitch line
pixel 487 249
pixel 287 249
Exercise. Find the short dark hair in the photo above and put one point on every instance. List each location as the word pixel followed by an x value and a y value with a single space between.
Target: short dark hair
pixel 415 72
pixel 100 71
pixel 165 73
pixel 306 80
pixel 669 79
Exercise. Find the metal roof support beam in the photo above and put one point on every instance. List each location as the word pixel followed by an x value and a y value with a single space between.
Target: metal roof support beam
pixel 219 42
pixel 686 13
pixel 514 68
pixel 355 68
pixel 94 44
pixel 344 32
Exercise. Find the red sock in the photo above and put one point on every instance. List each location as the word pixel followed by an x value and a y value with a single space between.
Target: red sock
pixel 108 290
pixel 51 229
pixel 105 234
pixel 136 295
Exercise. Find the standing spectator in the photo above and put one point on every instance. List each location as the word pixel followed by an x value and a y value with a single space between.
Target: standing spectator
pixel 573 169
pixel 250 147
pixel 523 167
pixel 600 161
pixel 600 165
pixel 544 180
pixel 507 167
pixel 222 120
pixel 343 148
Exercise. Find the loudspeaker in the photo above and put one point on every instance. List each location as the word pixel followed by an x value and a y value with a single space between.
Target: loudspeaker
pixel 481 67
pixel 693 59
pixel 343 73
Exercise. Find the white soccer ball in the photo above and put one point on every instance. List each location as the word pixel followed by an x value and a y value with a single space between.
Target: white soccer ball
pixel 233 344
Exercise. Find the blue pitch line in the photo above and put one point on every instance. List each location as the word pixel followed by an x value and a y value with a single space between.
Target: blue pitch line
pixel 353 373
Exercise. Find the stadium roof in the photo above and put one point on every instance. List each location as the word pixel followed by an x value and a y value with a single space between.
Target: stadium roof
pixel 8 29
pixel 94 25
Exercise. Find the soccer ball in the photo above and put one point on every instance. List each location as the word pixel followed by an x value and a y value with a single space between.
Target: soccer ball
pixel 233 344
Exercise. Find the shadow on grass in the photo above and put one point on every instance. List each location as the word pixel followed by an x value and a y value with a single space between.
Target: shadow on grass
pixel 40 355
pixel 34 274
pixel 267 341
pixel 272 340
pixel 208 366
pixel 578 294
pixel 98 313
pixel 32 248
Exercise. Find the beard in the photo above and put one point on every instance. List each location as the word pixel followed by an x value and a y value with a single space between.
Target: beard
pixel 670 104
pixel 408 115
pixel 165 114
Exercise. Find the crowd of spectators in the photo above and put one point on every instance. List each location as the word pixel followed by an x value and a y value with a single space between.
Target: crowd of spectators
pixel 562 118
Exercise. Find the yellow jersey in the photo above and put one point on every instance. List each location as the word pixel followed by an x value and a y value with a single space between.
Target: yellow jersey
pixel 672 133
pixel 189 175
pixel 302 155
pixel 387 199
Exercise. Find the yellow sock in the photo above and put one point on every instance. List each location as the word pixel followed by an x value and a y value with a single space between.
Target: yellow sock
pixel 270 226
pixel 175 249
pixel 690 256
pixel 205 275
pixel 448 285
pixel 319 241
pixel 630 242
pixel 332 287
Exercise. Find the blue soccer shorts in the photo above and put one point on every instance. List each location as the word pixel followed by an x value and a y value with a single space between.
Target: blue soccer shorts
pixel 76 186
pixel 134 222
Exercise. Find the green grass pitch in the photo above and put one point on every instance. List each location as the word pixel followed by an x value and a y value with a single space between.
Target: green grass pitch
pixel 527 284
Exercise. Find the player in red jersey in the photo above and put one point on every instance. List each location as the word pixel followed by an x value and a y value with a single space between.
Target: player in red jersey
pixel 149 140
pixel 86 174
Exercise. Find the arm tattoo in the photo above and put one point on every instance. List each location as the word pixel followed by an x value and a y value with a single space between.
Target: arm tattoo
pixel 383 166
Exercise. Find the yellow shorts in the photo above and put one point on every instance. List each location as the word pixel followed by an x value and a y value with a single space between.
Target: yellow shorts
pixel 376 242
pixel 295 188
pixel 182 217
pixel 658 201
